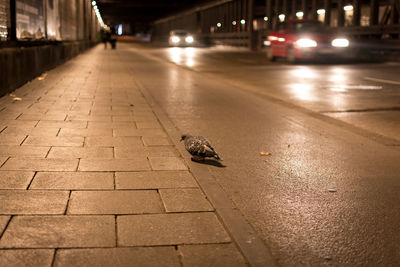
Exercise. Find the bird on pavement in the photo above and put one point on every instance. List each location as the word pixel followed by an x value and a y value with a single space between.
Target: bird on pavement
pixel 199 147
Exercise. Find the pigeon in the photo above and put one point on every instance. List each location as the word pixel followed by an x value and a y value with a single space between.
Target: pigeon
pixel 199 147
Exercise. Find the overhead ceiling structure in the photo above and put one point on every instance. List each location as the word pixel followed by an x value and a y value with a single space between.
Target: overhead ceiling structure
pixel 141 13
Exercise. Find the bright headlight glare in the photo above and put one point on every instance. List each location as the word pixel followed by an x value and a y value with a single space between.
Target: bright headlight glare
pixel 189 39
pixel 175 39
pixel 340 42
pixel 305 42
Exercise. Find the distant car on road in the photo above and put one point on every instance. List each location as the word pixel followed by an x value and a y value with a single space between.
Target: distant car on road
pixel 304 39
pixel 180 38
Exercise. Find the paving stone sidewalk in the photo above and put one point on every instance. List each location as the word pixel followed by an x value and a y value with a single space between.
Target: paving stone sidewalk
pixel 88 177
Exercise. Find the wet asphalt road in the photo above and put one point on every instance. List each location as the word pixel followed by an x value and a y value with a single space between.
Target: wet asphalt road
pixel 329 192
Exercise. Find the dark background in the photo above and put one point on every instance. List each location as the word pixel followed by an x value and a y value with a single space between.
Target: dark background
pixel 140 14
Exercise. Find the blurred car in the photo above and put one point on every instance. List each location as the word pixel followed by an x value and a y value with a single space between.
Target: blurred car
pixel 180 38
pixel 304 40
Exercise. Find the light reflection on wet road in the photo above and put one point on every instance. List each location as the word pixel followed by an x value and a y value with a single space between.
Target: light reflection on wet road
pixel 353 90
pixel 245 105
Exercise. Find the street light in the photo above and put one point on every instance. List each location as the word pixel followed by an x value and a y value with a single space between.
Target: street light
pixel 348 8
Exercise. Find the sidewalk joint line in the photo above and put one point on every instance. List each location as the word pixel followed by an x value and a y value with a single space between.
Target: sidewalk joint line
pixel 66 206
pixel 116 231
pixel 48 152
pixel 5 227
pixel 53 261
pixel 114 180
pixel 2 130
pixel 30 182
pixel 23 140
pixel 1 165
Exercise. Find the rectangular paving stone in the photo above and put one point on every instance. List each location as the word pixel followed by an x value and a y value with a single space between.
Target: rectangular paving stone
pixel 113 141
pixel 37 164
pixel 118 257
pixel 139 132
pixel 33 202
pixel 26 257
pixel 136 164
pixel 115 202
pixel 89 118
pixel 111 125
pixel 145 118
pixel 46 117
pixel 184 200
pixel 3 223
pixel 81 109
pixel 8 114
pixel 32 131
pixel 148 125
pixel 73 180
pixel 156 141
pixel 122 118
pixel 154 180
pixel 54 141
pixel 131 152
pixel 59 232
pixel 17 123
pixel 63 124
pixel 170 229
pixel 212 255
pixel 76 112
pixel 11 139
pixel 81 152
pixel 107 112
pixel 15 179
pixel 24 151
pixel 167 164
pixel 85 132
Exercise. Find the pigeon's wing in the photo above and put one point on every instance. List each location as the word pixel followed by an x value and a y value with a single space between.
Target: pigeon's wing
pixel 206 149
pixel 193 146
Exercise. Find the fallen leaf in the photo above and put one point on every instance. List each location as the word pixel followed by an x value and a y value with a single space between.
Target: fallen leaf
pixel 42 77
pixel 17 98
pixel 12 95
pixel 265 153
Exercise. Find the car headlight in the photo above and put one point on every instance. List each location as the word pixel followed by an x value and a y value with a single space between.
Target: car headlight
pixel 340 42
pixel 175 39
pixel 305 42
pixel 189 39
